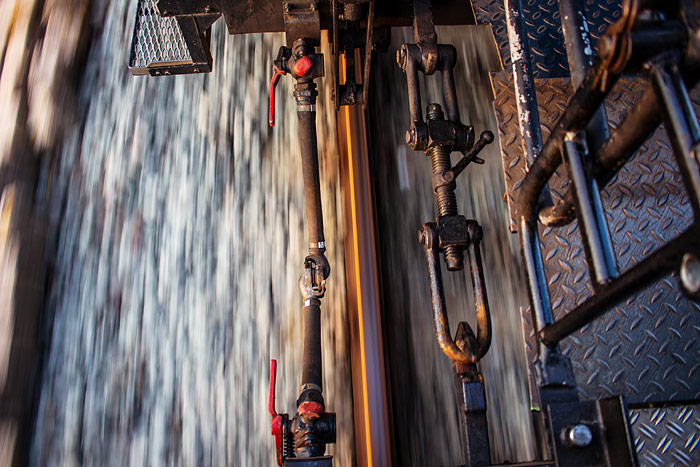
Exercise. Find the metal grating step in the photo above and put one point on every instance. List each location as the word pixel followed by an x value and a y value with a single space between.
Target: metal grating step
pixel 158 45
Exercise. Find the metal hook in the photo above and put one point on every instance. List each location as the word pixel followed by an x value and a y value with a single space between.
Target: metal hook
pixel 464 348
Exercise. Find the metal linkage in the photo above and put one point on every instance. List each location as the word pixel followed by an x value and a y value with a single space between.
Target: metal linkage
pixel 438 136
pixel 304 437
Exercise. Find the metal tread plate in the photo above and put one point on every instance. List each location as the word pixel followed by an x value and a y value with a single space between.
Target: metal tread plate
pixel 157 41
pixel 646 348
pixel 667 436
pixel 544 32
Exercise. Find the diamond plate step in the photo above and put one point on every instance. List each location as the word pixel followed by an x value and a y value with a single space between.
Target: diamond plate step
pixel 544 31
pixel 667 437
pixel 647 348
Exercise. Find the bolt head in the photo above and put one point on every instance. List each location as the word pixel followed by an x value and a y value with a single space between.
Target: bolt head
pixel 605 46
pixel 401 57
pixel 579 436
pixel 690 273
pixel 410 136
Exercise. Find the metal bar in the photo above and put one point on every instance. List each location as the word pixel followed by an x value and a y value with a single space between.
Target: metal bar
pixel 525 97
pixel 414 100
pixel 576 38
pixel 681 125
pixel 583 104
pixel 640 122
pixel 655 266
pixel 472 400
pixel 481 301
pixel 536 279
pixel 637 126
pixel 446 64
pixel 592 224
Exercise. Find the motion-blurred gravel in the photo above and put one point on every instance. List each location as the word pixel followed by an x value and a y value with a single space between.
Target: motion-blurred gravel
pixel 177 238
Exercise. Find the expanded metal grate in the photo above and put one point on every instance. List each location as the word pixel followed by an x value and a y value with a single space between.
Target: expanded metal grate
pixel 157 42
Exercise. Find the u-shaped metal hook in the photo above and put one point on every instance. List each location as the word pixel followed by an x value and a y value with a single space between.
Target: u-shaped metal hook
pixel 470 349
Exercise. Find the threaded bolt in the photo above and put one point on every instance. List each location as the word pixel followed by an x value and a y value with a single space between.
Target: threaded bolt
pixel 444 195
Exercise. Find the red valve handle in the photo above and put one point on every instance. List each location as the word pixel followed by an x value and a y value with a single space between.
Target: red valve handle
pixel 273 379
pixel 276 419
pixel 273 83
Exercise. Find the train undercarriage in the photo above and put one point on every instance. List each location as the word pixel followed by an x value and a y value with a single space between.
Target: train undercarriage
pixel 597 128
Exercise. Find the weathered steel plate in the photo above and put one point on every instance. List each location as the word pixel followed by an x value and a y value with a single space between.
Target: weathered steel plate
pixel 544 31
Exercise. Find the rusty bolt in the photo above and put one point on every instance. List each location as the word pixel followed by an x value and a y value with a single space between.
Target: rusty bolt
pixel 605 46
pixel 411 137
pixel 401 57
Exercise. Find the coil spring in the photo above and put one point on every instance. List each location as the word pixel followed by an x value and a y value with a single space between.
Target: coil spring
pixel 288 444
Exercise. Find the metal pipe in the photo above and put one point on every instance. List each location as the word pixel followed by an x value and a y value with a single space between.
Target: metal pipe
pixel 640 122
pixel 531 252
pixel 681 124
pixel 312 368
pixel 576 38
pixel 580 55
pixel 585 101
pixel 408 57
pixel 312 184
pixel 592 224
pixel 583 104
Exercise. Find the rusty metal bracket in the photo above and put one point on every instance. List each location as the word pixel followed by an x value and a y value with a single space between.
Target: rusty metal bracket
pixel 424 35
pixel 302 21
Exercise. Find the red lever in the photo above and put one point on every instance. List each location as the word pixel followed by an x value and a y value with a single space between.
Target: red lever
pixel 276 419
pixel 273 83
pixel 273 379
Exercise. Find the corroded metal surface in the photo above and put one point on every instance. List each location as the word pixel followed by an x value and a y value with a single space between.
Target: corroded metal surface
pixel 543 24
pixel 646 348
pixel 156 40
pixel 667 437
